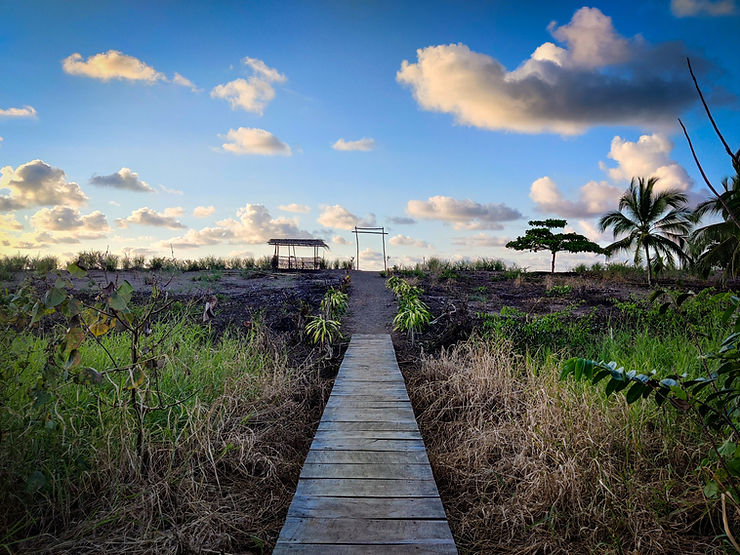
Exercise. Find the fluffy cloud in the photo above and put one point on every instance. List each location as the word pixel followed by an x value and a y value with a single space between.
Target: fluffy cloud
pixel 598 77
pixel 689 8
pixel 339 217
pixel 401 220
pixel 8 222
pixel 252 94
pixel 647 157
pixel 480 240
pixel 111 65
pixel 203 211
pixel 36 183
pixel 147 216
pixel 405 240
pixel 339 240
pixel 253 225
pixel 595 198
pixel 364 144
pixel 250 140
pixel 66 219
pixel 117 65
pixel 25 112
pixel 294 207
pixel 122 179
pixel 463 214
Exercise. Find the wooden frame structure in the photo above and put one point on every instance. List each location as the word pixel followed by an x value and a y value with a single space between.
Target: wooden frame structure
pixel 372 231
pixel 292 261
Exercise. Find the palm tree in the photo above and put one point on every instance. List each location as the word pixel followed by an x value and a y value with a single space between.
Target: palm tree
pixel 720 242
pixel 648 220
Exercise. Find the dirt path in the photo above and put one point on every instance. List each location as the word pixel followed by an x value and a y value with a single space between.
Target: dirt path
pixel 371 305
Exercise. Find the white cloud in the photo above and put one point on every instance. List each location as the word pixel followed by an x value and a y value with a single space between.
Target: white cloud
pixel 294 207
pixel 1 141
pixel 250 140
pixel 25 112
pixel 595 198
pixel 171 191
pixel 598 78
pixel 339 217
pixel 147 216
pixel 8 222
pixel 122 179
pixel 36 183
pixel 649 156
pixel 252 94
pixel 363 144
pixel 480 240
pixel 463 214
pixel 111 65
pixel 689 8
pixel 253 225
pixel 178 79
pixel 401 220
pixel 591 232
pixel 66 219
pixel 203 211
pixel 405 240
pixel 339 240
pixel 114 203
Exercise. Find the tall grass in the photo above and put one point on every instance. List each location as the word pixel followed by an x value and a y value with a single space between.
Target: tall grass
pixel 224 457
pixel 526 463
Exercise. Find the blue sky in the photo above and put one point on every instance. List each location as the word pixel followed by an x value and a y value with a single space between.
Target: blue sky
pixel 499 115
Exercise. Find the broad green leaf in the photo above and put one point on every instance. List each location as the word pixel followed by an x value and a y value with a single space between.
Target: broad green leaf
pixel 75 271
pixel 117 302
pixel 634 392
pixel 125 290
pixel 54 297
pixel 711 489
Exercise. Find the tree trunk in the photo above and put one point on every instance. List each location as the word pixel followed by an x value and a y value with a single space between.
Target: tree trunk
pixel 552 264
pixel 649 268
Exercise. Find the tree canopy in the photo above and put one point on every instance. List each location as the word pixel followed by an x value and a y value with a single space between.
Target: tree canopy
pixel 540 237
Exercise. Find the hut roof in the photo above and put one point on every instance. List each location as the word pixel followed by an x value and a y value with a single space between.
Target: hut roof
pixel 298 243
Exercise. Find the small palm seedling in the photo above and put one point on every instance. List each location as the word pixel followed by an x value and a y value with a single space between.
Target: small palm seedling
pixel 335 303
pixel 323 331
pixel 412 316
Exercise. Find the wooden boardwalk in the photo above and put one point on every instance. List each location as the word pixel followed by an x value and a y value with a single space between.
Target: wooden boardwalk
pixel 366 485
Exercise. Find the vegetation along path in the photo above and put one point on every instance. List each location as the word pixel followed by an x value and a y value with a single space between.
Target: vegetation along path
pixel 366 484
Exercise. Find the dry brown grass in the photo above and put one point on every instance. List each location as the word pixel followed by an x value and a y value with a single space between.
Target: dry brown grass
pixel 528 464
pixel 223 487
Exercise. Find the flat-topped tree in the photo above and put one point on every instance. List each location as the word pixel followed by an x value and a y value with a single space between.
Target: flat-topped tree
pixel 540 238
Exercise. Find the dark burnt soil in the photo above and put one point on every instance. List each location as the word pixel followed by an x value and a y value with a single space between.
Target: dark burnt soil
pixel 279 300
pixel 460 302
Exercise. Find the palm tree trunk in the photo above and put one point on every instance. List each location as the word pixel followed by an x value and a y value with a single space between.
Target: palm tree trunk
pixel 649 268
pixel 552 264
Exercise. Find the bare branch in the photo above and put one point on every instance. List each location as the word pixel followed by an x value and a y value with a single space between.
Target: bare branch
pixel 709 114
pixel 706 179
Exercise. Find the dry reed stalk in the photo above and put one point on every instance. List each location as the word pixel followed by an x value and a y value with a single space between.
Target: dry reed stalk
pixel 528 464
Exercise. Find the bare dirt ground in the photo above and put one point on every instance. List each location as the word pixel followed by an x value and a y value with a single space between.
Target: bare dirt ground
pixel 371 305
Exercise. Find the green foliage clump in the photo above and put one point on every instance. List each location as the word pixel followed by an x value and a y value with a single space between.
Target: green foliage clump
pixel 413 314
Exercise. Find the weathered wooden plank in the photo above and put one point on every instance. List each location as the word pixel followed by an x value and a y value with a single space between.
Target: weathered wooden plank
pixel 367 425
pixel 354 549
pixel 363 457
pixel 367 531
pixel 356 487
pixel 364 444
pixel 397 471
pixel 367 507
pixel 348 414
pixel 366 434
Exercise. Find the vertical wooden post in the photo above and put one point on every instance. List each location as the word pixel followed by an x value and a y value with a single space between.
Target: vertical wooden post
pixel 357 241
pixel 385 260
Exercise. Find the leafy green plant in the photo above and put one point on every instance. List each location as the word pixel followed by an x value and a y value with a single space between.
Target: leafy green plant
pixel 413 314
pixel 323 331
pixel 711 399
pixel 559 290
pixel 334 303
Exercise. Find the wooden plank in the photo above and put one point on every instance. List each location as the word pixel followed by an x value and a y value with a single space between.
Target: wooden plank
pixel 354 549
pixel 366 434
pixel 364 457
pixel 365 531
pixel 396 471
pixel 355 487
pixel 364 444
pixel 367 507
pixel 367 425
pixel 349 414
